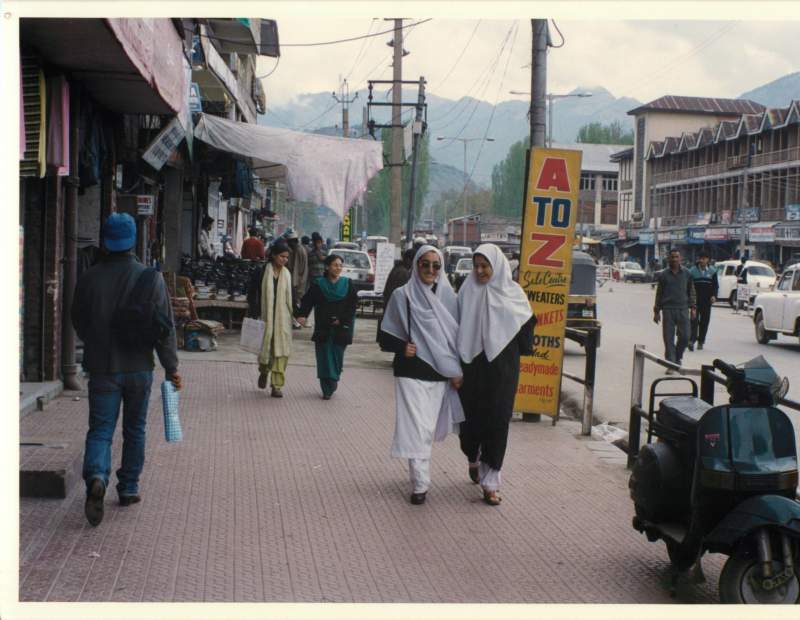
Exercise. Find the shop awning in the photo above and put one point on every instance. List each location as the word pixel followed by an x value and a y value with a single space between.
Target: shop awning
pixel 587 241
pixel 132 66
pixel 324 170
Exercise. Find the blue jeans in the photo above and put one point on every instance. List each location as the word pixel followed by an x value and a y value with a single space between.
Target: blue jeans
pixel 106 392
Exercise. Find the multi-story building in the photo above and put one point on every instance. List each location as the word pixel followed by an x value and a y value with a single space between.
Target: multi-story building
pixel 653 122
pixel 705 184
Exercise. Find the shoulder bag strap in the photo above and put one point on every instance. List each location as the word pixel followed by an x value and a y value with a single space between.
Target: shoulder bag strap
pixel 408 311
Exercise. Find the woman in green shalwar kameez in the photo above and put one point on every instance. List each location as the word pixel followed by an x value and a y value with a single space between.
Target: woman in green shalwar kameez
pixel 333 299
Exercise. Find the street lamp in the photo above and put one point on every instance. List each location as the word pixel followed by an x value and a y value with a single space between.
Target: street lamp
pixel 465 141
pixel 550 97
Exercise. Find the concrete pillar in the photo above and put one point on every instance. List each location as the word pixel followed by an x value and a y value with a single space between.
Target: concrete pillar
pixel 598 198
pixel 172 217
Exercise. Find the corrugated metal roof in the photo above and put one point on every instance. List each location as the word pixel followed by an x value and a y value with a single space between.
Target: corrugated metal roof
pixel 595 157
pixel 701 105
pixel 623 154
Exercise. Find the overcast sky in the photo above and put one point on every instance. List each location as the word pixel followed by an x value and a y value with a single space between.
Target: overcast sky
pixel 640 59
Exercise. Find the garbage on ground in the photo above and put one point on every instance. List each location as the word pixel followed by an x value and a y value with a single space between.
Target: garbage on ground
pixel 611 434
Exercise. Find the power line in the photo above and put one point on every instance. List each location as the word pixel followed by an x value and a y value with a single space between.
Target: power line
pixel 455 64
pixel 412 25
pixel 563 40
pixel 363 48
pixel 266 75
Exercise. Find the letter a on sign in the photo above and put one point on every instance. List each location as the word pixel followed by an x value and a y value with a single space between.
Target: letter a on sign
pixel 554 175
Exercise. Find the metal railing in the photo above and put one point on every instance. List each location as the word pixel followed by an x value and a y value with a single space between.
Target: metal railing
pixel 708 379
pixel 589 339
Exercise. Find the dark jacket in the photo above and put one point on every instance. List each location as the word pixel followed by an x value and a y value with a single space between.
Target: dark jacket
pixel 99 291
pixel 706 284
pixel 325 311
pixel 675 290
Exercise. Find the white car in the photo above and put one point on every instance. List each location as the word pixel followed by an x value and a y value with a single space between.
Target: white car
pixel 778 312
pixel 630 271
pixel 357 266
pixel 759 276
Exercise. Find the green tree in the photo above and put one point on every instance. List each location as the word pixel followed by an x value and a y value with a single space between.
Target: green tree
pixel 379 197
pixel 508 181
pixel 597 133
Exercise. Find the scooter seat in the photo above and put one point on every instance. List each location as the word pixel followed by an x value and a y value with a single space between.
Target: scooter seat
pixel 682 413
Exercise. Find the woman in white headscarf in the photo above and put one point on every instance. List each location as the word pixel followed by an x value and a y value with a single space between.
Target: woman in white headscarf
pixel 495 329
pixel 420 327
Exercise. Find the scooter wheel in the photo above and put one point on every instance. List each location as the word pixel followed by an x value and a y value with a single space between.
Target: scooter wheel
pixel 739 584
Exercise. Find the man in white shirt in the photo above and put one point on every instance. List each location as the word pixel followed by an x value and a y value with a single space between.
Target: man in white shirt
pixel 205 248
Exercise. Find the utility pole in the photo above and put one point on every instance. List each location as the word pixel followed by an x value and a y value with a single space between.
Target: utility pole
pixel 743 202
pixel 418 128
pixel 397 135
pixel 538 81
pixel 344 89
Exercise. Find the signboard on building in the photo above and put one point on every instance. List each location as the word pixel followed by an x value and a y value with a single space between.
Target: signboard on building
pixel 145 205
pixel 793 213
pixel 195 103
pixel 725 216
pixel 548 225
pixel 664 235
pixel 647 237
pixel 622 235
pixel 762 234
pixel 750 214
pixel 384 261
pixel 696 236
pixel 702 219
pixel 347 230
pixel 788 234
pixel 164 144
pixel 716 235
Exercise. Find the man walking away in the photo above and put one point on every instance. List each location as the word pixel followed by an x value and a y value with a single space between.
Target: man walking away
pixel 253 247
pixel 298 267
pixel 706 286
pixel 121 311
pixel 675 300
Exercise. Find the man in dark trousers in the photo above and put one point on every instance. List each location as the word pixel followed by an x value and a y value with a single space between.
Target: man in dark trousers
pixel 706 286
pixel 119 372
pixel 676 301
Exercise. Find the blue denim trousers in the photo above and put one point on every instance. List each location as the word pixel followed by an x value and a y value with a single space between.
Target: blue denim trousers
pixel 106 393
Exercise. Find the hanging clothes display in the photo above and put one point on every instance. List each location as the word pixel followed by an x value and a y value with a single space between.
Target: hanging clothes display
pixel 42 125
pixel 21 117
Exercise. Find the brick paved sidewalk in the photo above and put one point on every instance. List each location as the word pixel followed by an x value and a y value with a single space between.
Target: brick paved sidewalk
pixel 298 500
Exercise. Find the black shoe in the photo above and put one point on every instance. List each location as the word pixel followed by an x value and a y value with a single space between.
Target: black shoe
pixel 127 500
pixel 473 474
pixel 418 498
pixel 326 397
pixel 93 509
pixel 690 346
pixel 700 346
pixel 262 381
pixel 276 393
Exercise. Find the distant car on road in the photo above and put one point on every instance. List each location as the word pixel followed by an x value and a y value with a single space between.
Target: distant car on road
pixel 630 271
pixel 346 245
pixel 778 312
pixel 462 270
pixel 357 266
pixel 758 276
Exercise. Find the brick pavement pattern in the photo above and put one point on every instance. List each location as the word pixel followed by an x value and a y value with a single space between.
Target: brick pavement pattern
pixel 298 500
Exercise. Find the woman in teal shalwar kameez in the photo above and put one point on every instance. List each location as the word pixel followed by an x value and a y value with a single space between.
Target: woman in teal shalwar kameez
pixel 333 299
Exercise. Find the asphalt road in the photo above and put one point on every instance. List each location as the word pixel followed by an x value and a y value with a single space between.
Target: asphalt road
pixel 625 310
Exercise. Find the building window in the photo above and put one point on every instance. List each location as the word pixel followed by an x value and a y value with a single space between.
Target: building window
pixel 609 184
pixel 587 182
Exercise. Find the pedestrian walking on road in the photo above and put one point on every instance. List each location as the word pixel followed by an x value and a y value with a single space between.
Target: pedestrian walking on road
pixel 121 311
pixel 276 312
pixel 495 329
pixel 298 267
pixel 333 299
pixel 316 257
pixel 676 303
pixel 420 327
pixel 706 287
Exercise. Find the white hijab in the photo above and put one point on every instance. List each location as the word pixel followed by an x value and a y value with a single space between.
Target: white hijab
pixel 433 318
pixel 491 314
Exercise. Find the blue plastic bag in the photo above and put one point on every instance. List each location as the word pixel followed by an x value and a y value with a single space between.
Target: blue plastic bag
pixel 170 399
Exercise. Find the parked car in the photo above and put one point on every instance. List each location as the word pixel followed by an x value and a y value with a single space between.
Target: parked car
pixel 462 270
pixel 778 312
pixel 452 254
pixel 358 267
pixel 758 276
pixel 630 271
pixel 346 245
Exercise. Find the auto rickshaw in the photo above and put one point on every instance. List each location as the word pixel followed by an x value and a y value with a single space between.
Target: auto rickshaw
pixel 582 300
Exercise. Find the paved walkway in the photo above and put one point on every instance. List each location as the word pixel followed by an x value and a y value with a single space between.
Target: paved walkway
pixel 298 500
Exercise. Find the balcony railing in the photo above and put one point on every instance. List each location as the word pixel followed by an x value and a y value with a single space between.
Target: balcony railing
pixel 735 162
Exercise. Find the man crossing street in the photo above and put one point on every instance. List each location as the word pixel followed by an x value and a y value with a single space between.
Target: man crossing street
pixel 676 301
pixel 706 286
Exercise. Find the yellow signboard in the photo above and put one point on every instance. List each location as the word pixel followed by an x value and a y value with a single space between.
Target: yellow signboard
pixel 346 226
pixel 548 225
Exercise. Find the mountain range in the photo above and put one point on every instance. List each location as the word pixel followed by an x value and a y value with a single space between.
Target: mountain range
pixel 506 122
